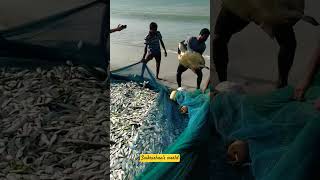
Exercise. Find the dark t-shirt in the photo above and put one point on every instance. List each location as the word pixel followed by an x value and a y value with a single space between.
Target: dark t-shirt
pixel 194 45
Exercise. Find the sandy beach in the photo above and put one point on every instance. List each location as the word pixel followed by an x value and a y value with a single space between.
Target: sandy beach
pixel 175 25
pixel 253 56
pixel 123 56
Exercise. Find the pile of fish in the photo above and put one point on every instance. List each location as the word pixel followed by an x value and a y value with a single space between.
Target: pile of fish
pixel 137 127
pixel 53 124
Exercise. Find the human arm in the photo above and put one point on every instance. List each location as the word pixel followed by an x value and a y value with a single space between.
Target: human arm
pixel 165 51
pixel 119 28
pixel 144 53
pixel 207 85
pixel 182 43
pixel 238 152
pixel 203 49
pixel 312 70
pixel 162 44
pixel 189 44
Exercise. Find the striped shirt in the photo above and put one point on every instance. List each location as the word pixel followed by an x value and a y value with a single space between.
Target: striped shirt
pixel 153 43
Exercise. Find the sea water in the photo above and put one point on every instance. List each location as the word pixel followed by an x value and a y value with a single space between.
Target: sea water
pixel 177 20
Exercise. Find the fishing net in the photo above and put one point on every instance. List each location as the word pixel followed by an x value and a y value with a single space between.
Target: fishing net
pixel 273 125
pixel 190 143
pixel 281 133
pixel 52 32
pixel 49 109
pixel 159 124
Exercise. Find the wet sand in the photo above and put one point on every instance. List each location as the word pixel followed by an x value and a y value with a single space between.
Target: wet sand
pixel 123 56
pixel 252 54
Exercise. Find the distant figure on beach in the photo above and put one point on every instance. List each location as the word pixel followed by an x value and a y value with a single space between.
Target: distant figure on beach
pixel 152 46
pixel 196 44
pixel 119 28
pixel 234 17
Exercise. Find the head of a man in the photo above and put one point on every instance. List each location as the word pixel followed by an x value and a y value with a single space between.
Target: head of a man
pixel 203 35
pixel 153 27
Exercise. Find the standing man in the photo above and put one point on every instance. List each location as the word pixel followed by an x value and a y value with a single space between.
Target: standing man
pixel 234 17
pixel 229 24
pixel 152 47
pixel 196 44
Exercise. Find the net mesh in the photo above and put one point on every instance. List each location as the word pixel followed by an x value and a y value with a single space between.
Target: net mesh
pixel 281 134
pixel 74 31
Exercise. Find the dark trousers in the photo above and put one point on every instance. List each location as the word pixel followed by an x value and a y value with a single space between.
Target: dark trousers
pixel 228 24
pixel 182 69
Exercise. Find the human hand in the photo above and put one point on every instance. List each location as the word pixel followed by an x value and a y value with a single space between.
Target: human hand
pixel 300 90
pixel 143 60
pixel 121 27
pixel 238 152
pixel 165 54
pixel 184 109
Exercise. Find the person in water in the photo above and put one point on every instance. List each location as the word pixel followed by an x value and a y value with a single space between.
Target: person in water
pixel 196 44
pixel 152 47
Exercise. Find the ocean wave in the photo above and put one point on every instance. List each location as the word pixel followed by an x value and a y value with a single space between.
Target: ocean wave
pixel 164 16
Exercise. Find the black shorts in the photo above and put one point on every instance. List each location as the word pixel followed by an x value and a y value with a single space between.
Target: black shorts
pixel 156 56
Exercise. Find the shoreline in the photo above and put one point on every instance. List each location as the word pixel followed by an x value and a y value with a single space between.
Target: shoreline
pixel 122 56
